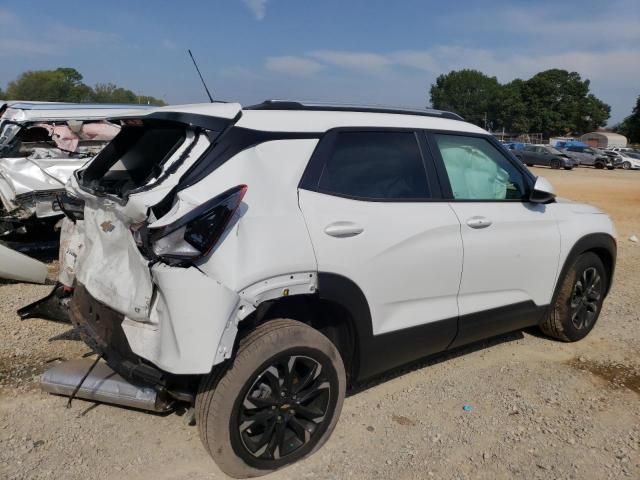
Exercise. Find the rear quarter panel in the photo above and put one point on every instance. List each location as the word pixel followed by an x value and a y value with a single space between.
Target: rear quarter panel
pixel 271 237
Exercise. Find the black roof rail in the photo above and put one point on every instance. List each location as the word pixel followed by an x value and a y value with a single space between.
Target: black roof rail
pixel 332 107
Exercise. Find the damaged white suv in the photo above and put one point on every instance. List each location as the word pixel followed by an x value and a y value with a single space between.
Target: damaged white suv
pixel 260 260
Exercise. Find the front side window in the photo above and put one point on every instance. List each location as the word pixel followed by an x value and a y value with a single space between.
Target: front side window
pixel 478 171
pixel 375 165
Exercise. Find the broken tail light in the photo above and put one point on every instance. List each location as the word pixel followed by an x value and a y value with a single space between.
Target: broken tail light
pixel 195 234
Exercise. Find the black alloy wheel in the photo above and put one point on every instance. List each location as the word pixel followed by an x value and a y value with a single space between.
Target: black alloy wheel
pixel 585 300
pixel 284 407
pixel 578 300
pixel 276 402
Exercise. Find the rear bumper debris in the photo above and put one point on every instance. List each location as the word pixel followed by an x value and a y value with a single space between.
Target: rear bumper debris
pixel 54 307
pixel 100 327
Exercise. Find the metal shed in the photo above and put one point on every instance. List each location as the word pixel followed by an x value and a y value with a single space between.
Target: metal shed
pixel 604 139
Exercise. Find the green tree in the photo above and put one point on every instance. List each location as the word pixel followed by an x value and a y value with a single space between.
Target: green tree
pixel 559 102
pixel 512 108
pixel 59 85
pixel 630 126
pixel 2 94
pixel 65 85
pixel 469 93
pixel 552 102
pixel 110 93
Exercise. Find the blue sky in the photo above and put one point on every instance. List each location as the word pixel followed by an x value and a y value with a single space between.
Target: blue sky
pixel 384 52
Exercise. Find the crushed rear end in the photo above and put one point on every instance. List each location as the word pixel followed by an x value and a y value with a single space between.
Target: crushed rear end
pixel 139 298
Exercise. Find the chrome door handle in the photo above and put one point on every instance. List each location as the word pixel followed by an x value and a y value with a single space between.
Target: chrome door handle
pixel 478 222
pixel 343 229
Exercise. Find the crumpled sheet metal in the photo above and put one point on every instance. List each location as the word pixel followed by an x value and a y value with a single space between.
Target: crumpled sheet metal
pixel 71 245
pixel 23 175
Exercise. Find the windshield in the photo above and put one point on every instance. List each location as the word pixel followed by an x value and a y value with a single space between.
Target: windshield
pixel 555 151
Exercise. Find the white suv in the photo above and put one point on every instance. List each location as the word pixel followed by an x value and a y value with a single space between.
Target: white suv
pixel 261 260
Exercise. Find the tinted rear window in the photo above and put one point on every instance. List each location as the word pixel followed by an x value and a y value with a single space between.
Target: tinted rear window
pixel 375 165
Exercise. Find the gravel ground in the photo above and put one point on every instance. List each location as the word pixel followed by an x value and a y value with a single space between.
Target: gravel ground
pixel 539 408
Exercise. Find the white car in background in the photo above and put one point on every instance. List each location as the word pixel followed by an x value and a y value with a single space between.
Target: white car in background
pixel 41 145
pixel 259 261
pixel 628 159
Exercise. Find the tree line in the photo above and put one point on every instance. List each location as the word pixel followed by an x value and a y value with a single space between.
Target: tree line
pixel 552 102
pixel 630 126
pixel 65 85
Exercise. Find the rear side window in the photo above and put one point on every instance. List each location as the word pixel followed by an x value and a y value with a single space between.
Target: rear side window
pixel 478 171
pixel 376 166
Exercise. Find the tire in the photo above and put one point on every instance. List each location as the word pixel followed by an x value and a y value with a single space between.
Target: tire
pixel 257 371
pixel 610 167
pixel 626 165
pixel 599 165
pixel 562 321
pixel 529 164
pixel 555 164
pixel 568 168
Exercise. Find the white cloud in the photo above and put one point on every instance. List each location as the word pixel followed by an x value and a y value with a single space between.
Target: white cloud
pixel 17 38
pixel 257 7
pixel 368 61
pixel 168 44
pixel 293 65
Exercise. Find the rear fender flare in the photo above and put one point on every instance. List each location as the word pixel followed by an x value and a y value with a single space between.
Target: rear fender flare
pixel 254 295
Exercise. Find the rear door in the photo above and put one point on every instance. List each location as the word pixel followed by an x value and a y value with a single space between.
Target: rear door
pixel 511 246
pixel 374 213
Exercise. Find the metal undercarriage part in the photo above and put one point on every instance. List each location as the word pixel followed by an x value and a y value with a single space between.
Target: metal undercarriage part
pixel 101 385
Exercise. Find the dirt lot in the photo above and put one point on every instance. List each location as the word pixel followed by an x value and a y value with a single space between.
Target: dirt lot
pixel 539 408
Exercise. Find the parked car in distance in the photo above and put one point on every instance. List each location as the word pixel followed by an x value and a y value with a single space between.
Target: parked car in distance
pixel 589 156
pixel 544 155
pixel 262 260
pixel 623 149
pixel 627 159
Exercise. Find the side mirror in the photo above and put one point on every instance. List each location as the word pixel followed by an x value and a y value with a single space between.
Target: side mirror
pixel 543 191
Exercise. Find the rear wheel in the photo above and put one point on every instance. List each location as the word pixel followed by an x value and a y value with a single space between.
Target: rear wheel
pixel 579 300
pixel 277 403
pixel 568 168
pixel 626 165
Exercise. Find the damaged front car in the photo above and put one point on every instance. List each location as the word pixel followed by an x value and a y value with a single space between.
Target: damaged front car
pixel 41 145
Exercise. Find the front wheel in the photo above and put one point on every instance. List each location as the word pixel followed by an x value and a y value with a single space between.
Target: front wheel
pixel 555 164
pixel 599 165
pixel 568 168
pixel 277 403
pixel 579 300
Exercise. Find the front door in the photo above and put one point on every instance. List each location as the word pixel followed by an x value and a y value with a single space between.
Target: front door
pixel 511 246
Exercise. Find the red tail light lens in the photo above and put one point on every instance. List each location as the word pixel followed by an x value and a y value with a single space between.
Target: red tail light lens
pixel 195 234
